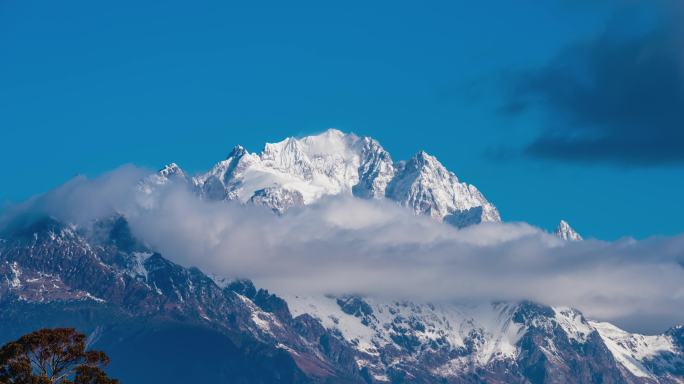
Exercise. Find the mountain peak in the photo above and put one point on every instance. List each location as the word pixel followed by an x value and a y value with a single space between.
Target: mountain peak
pixel 237 151
pixel 566 232
pixel 429 188
pixel 334 132
pixel 171 169
pixel 422 155
pixel 424 162
pixel 304 169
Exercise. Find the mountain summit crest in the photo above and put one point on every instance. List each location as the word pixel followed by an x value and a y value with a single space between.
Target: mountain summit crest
pixel 301 171
pixel 566 232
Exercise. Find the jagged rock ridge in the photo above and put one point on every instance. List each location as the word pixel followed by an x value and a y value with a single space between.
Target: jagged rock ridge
pixel 566 232
pixel 297 172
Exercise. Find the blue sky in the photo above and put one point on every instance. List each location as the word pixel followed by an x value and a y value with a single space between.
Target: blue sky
pixel 524 99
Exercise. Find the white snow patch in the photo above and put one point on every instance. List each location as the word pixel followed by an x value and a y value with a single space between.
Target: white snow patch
pixel 138 268
pixel 286 348
pixel 16 274
pixel 490 325
pixel 573 324
pixel 566 232
pixel 630 349
pixel 262 321
pixel 326 310
pixel 266 322
pixel 94 298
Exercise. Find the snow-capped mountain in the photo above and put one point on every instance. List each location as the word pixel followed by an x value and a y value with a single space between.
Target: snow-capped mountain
pixel 300 171
pixel 105 282
pixel 644 356
pixel 135 304
pixel 457 340
pixel 566 232
pixel 314 166
pixel 426 186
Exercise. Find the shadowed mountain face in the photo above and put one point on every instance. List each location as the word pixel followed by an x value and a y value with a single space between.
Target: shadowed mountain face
pixel 161 322
pixel 154 315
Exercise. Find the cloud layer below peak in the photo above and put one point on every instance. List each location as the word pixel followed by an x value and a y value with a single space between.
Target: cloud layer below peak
pixel 373 247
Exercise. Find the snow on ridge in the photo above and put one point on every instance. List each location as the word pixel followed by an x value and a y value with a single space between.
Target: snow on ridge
pixel 314 166
pixel 488 327
pixel 328 312
pixel 632 349
pixel 566 232
pixel 573 323
pixel 300 171
pixel 425 185
pixel 265 322
pixel 16 275
pixel 137 267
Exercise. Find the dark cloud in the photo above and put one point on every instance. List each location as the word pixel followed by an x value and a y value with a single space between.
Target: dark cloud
pixel 616 99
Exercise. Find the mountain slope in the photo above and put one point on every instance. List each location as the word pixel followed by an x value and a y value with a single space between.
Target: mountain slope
pixel 109 284
pixel 509 342
pixel 135 303
pixel 426 186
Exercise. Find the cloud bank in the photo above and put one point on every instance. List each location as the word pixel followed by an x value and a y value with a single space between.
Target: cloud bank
pixel 347 245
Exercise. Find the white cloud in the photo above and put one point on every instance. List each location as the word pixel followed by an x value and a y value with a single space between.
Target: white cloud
pixel 347 245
